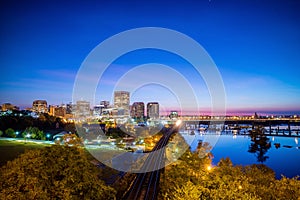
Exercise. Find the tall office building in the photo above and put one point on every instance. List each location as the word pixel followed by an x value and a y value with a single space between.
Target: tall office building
pixel 69 108
pixel 82 109
pixel 58 111
pixel 51 110
pixel 39 106
pixel 137 110
pixel 153 110
pixel 121 101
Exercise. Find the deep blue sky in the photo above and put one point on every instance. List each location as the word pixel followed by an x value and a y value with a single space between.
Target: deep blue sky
pixel 255 44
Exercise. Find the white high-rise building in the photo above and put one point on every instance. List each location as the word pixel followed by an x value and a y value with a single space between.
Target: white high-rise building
pixel 152 110
pixel 122 100
pixel 82 109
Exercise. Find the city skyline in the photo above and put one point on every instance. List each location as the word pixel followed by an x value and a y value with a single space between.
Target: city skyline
pixel 255 46
pixel 161 112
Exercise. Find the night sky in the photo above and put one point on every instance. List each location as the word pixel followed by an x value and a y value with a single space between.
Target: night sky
pixel 254 43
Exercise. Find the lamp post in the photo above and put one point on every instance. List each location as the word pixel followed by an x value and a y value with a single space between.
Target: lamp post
pixel 27 136
pixel 48 136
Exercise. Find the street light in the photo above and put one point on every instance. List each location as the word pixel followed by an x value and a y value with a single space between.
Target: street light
pixel 27 136
pixel 208 168
pixel 48 136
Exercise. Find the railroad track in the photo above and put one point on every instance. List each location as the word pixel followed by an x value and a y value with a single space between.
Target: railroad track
pixel 146 184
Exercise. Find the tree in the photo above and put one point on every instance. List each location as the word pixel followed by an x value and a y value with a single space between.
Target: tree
pixel 35 133
pixel 259 144
pixel 56 172
pixel 115 133
pixel 10 133
pixel 190 178
pixel 188 191
pixel 287 188
pixel 122 184
pixel 70 127
pixel 72 139
pixel 1 133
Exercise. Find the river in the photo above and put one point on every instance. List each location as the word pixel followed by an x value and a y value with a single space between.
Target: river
pixel 281 154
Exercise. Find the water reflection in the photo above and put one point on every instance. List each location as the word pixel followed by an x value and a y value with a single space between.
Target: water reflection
pixel 259 144
pixel 274 152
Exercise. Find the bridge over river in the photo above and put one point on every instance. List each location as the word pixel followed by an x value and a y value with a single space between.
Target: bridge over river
pixel 280 127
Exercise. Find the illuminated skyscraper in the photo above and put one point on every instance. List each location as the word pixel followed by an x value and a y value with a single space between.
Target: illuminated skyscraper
pixel 58 111
pixel 121 101
pixel 39 106
pixel 137 110
pixel 153 110
pixel 82 109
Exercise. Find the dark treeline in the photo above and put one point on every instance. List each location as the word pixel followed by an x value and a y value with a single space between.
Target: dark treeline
pixel 20 123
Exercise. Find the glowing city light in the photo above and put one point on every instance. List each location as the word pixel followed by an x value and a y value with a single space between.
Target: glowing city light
pixel 208 168
pixel 178 122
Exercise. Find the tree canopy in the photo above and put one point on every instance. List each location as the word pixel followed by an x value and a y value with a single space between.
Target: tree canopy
pixel 34 133
pixel 10 133
pixel 58 171
pixel 191 178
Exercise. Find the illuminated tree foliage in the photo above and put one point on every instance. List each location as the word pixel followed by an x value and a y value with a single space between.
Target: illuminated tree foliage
pixel 35 133
pixel 72 139
pixel 56 172
pixel 192 178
